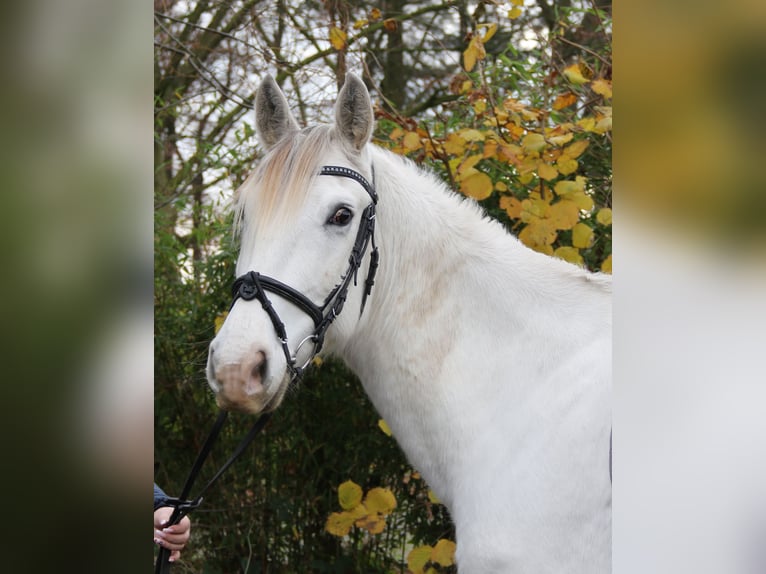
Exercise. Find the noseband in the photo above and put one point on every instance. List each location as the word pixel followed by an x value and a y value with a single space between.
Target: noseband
pixel 253 285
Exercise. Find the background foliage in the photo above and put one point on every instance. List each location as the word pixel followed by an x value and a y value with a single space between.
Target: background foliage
pixel 509 102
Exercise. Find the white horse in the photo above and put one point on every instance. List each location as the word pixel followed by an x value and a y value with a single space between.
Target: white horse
pixel 490 362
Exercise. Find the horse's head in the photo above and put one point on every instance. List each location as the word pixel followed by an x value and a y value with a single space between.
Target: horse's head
pixel 300 225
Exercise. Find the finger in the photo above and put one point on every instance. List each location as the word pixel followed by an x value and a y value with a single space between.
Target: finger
pixel 175 555
pixel 169 544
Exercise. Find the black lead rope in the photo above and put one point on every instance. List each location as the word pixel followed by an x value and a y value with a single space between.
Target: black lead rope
pixel 182 506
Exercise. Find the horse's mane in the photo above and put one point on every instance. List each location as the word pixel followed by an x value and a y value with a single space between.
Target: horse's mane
pixel 282 180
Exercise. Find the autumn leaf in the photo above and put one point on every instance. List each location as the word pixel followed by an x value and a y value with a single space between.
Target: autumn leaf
pixel 567 253
pixel 361 23
pixel 533 142
pixel 411 141
pixel 546 171
pixel 578 73
pixel 564 214
pixel 511 205
pixel 582 235
pixel 478 185
pixel 380 500
pixel 538 232
pixel 602 87
pixel 566 165
pixel 339 523
pixel 606 266
pixel 575 149
pixel 514 12
pixel 390 24
pixel 337 38
pixel 349 495
pixel 491 29
pixel 567 187
pixel 561 139
pixel 444 553
pixel 454 144
pixel 375 14
pixel 383 425
pixel 372 523
pixel 472 135
pixel 418 558
pixel 564 100
pixel 473 53
pixel 604 216
pixel 433 498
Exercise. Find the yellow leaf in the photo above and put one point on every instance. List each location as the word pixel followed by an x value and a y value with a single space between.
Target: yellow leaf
pixel 533 142
pixel 603 125
pixel 604 216
pixel 491 29
pixel 582 236
pixel 587 124
pixel 517 2
pixel 466 168
pixel 538 232
pixel 411 141
pixel 514 12
pixel 575 149
pixel 578 73
pixel 511 205
pixel 490 149
pixel 582 199
pixel 444 553
pixel 533 208
pixel 567 187
pixel 383 425
pixel 390 24
pixel 571 254
pixel 418 558
pixel 433 498
pixel 372 523
pixel 564 100
pixel 454 144
pixel 473 53
pixel 477 185
pixel 602 87
pixel 361 23
pixel 375 14
pixel 472 135
pixel 337 38
pixel 500 186
pixel 219 321
pixel 380 500
pixel 606 266
pixel 396 133
pixel 526 178
pixel 564 214
pixel 546 171
pixel 339 523
pixel 349 495
pixel 562 139
pixel 566 165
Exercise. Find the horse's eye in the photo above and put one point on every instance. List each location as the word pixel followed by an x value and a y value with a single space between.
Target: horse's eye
pixel 341 217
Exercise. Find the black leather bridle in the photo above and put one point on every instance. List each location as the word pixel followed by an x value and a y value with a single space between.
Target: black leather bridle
pixel 253 285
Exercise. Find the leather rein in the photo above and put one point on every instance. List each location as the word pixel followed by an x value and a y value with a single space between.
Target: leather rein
pixel 253 285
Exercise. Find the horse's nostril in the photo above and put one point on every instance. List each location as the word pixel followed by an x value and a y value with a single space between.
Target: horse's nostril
pixel 257 373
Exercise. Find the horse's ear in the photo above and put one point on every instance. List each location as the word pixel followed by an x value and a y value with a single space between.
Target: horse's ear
pixel 273 119
pixel 353 112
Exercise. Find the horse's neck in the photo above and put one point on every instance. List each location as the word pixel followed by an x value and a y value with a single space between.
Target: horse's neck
pixel 451 291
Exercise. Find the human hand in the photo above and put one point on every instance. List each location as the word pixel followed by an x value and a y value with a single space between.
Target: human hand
pixel 175 537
